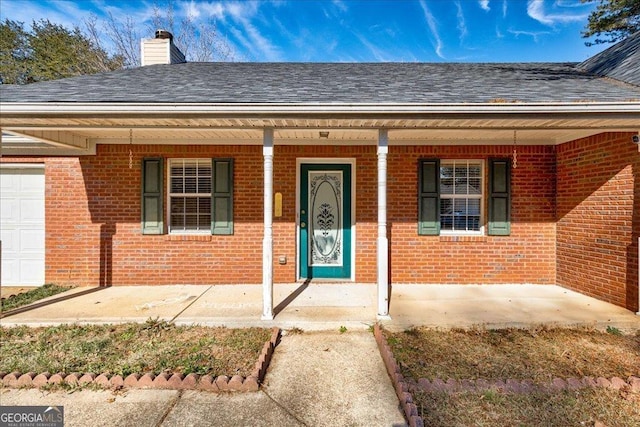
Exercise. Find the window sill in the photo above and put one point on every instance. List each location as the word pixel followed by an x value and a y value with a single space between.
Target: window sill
pixel 188 237
pixel 463 238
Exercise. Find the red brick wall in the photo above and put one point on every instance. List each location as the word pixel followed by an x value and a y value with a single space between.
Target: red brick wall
pixel 598 197
pixel 526 256
pixel 93 221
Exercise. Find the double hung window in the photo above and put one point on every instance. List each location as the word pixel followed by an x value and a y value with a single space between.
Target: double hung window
pixel 460 196
pixel 199 196
pixel 452 194
pixel 190 195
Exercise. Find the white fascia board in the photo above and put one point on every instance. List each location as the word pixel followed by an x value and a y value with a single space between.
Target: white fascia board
pixel 17 108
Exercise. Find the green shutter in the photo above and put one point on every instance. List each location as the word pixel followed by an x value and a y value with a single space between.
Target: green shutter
pixel 222 196
pixel 152 184
pixel 499 197
pixel 429 197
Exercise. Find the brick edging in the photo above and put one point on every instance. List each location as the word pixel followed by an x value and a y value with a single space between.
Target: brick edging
pixel 161 381
pixel 399 383
pixel 525 386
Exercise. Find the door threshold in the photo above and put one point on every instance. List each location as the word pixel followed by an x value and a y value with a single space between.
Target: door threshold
pixel 326 281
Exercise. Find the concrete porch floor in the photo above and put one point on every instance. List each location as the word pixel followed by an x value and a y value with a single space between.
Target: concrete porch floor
pixel 329 306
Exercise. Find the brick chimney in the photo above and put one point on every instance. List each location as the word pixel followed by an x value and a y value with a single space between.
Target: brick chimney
pixel 160 50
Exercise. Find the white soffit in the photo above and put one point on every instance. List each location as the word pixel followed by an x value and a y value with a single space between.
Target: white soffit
pixel 80 127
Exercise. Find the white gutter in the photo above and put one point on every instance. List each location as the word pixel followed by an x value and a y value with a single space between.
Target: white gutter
pixel 46 108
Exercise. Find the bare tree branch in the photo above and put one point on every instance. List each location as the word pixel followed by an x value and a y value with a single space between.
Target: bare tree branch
pixel 198 40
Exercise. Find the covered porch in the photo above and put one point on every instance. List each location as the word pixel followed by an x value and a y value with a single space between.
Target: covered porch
pixel 313 306
pixel 79 130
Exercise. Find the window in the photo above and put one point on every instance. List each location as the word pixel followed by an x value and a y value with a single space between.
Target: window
pixel 460 195
pixel 200 196
pixel 452 192
pixel 190 195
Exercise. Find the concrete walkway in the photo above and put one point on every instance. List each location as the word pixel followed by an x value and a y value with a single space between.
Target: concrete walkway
pixel 333 379
pixel 315 379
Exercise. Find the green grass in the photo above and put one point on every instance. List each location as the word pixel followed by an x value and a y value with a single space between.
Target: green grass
pixel 25 298
pixel 151 347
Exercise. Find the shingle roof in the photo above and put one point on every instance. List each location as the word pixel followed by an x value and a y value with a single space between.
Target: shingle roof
pixel 429 83
pixel 621 61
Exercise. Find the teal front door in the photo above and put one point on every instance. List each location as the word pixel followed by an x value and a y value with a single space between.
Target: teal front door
pixel 325 221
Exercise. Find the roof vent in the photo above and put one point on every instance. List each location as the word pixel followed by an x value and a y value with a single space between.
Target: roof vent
pixel 164 34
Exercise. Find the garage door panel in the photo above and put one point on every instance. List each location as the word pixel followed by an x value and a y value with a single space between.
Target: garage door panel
pixel 10 241
pixel 10 270
pixel 31 242
pixel 32 271
pixel 10 211
pixel 31 180
pixel 32 211
pixel 22 222
pixel 8 183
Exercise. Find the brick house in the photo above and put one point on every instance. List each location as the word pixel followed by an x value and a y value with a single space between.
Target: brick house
pixel 378 174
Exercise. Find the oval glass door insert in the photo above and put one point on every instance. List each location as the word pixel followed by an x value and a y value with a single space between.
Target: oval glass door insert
pixel 326 217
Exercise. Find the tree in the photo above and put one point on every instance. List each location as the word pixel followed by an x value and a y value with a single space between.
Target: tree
pixel 199 41
pixel 58 53
pixel 14 51
pixel 615 19
pixel 49 51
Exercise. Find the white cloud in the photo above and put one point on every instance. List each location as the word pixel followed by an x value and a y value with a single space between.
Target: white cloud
pixel 536 10
pixel 308 44
pixel 259 45
pixel 504 8
pixel 341 6
pixel 241 11
pixel 532 34
pixel 462 25
pixel 191 9
pixel 433 27
pixel 212 10
pixel 377 53
pixel 66 13
pixel 246 31
pixel 484 4
pixel 570 3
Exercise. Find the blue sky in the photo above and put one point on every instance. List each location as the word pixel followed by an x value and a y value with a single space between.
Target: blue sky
pixel 360 30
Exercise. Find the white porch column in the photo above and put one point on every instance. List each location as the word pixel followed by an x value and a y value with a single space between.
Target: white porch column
pixel 267 243
pixel 383 241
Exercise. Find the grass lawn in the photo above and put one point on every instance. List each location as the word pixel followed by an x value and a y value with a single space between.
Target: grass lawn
pixel 537 354
pixel 19 300
pixel 568 408
pixel 151 347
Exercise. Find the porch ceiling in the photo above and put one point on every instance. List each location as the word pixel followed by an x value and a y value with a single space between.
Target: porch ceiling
pixel 77 131
pixel 82 138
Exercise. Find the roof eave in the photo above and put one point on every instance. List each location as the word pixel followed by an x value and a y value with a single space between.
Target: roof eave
pixel 310 109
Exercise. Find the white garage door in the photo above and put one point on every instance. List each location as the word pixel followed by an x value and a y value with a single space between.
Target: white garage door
pixel 22 224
